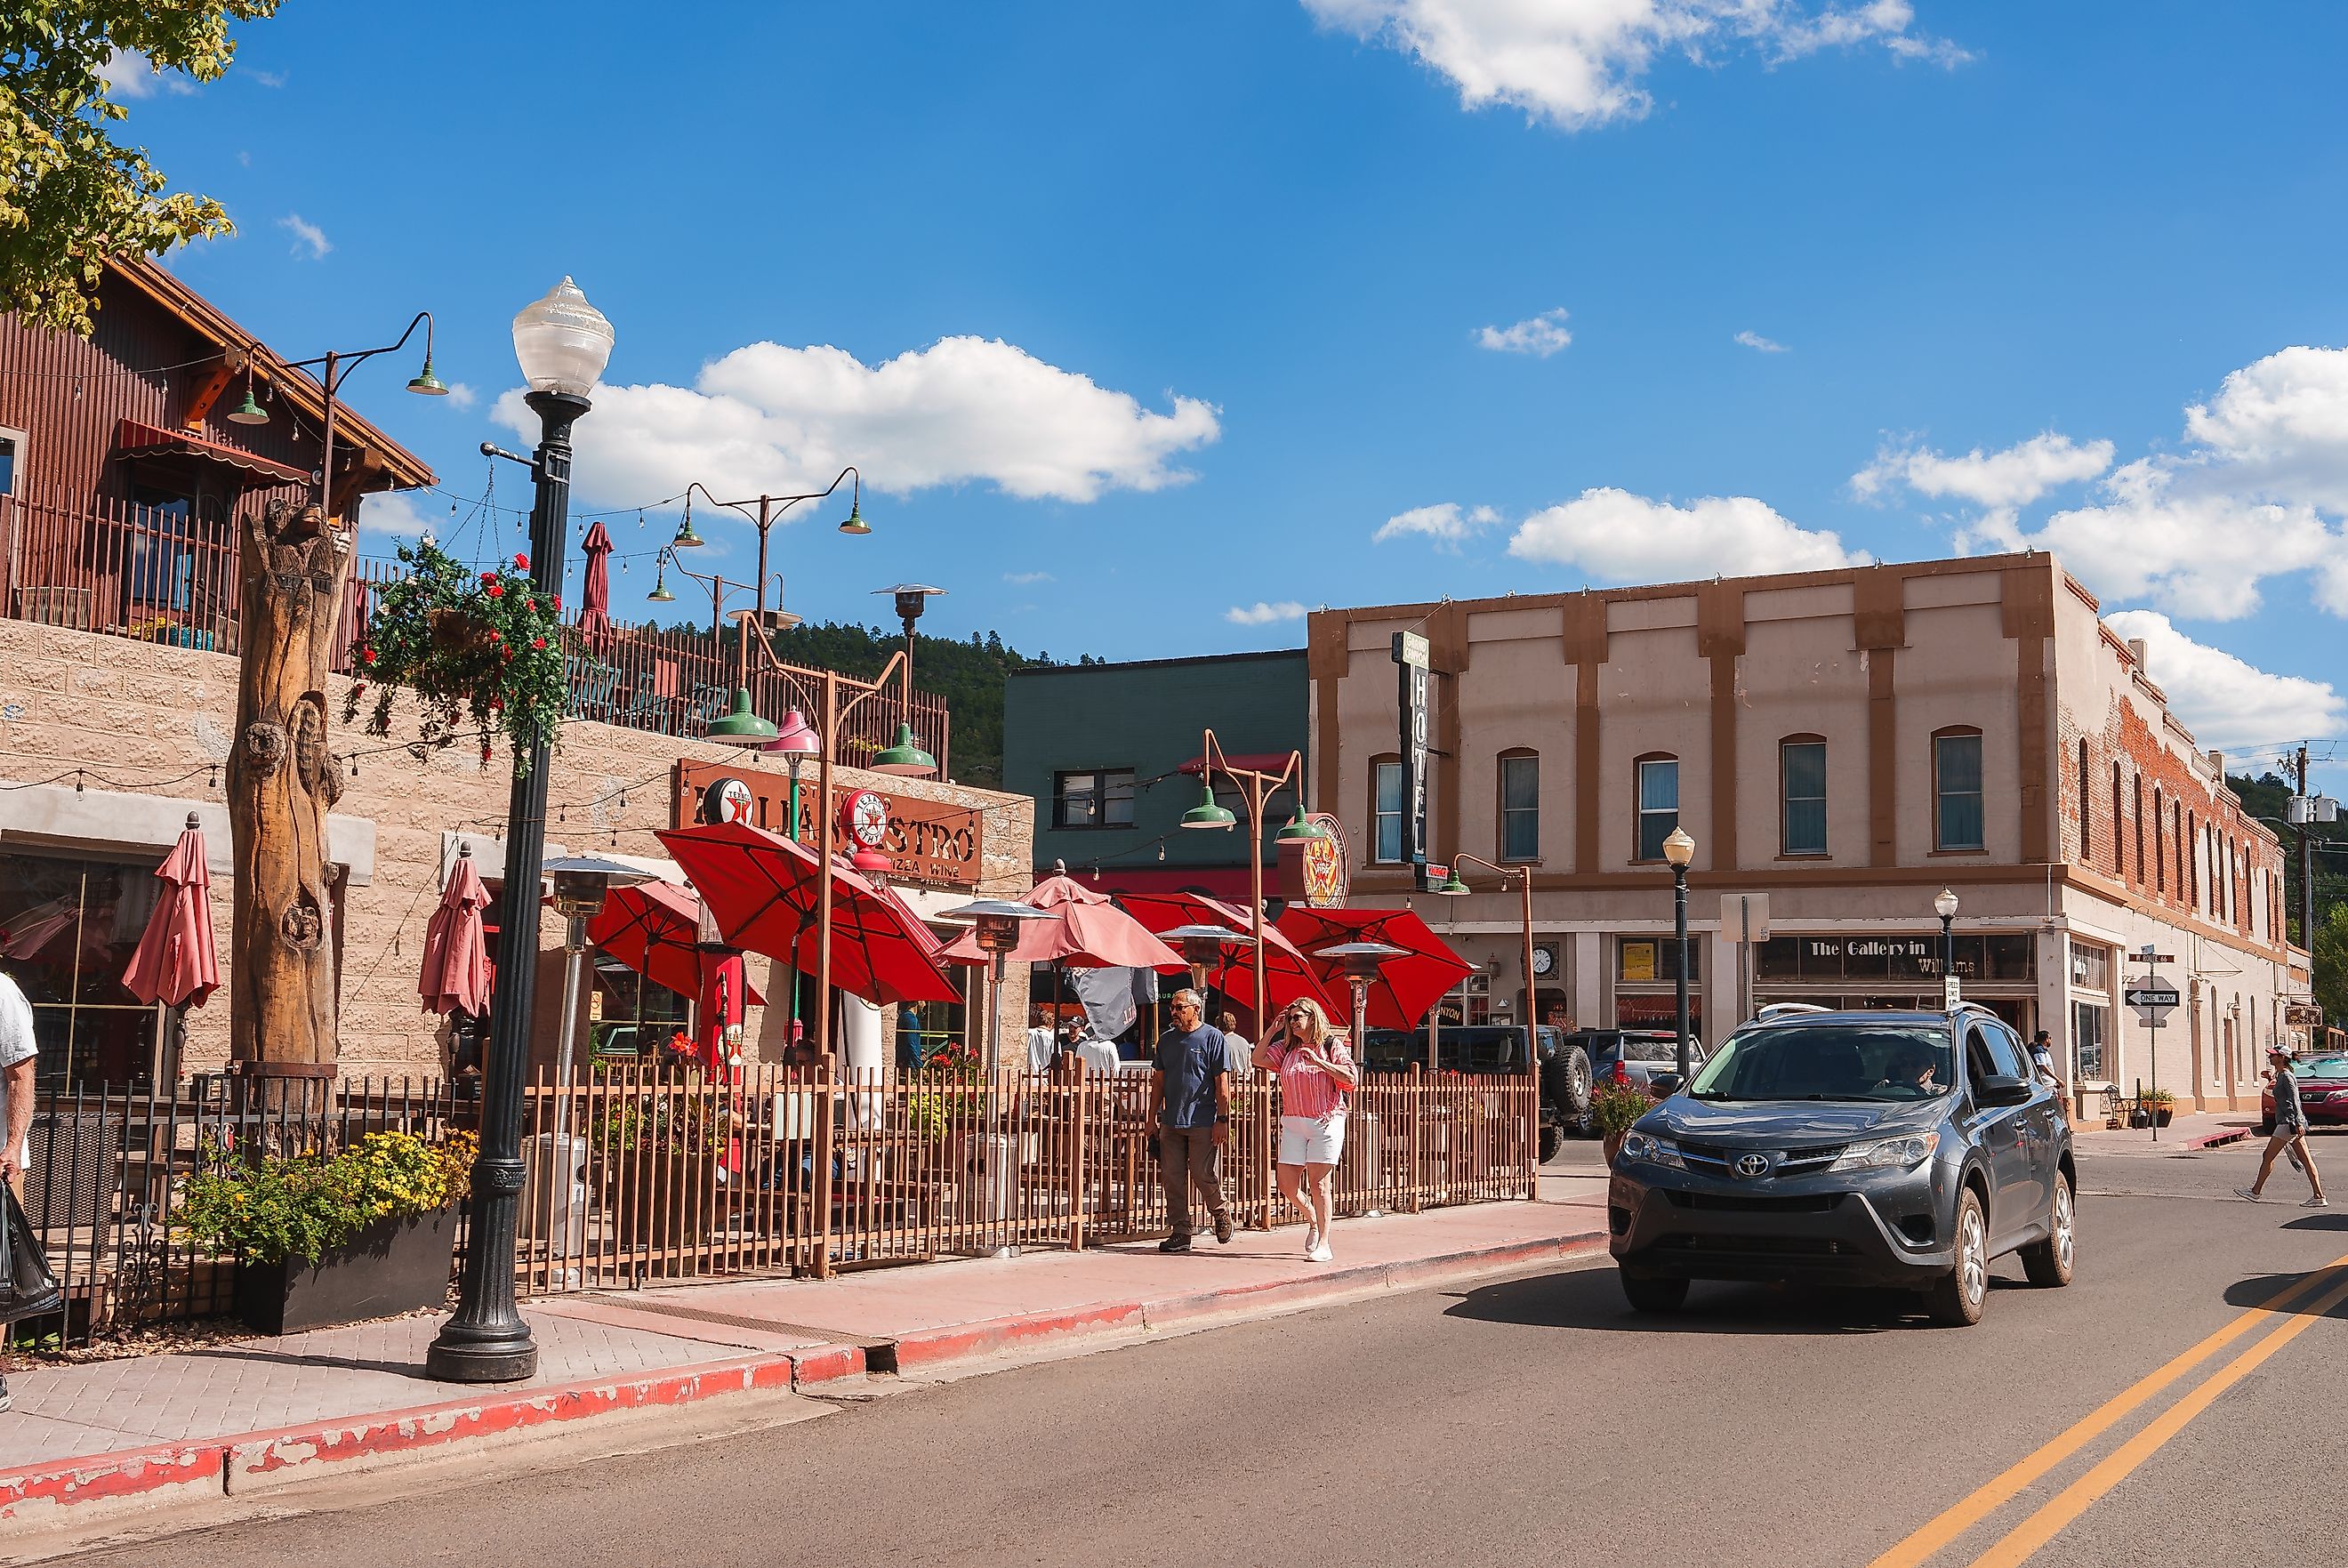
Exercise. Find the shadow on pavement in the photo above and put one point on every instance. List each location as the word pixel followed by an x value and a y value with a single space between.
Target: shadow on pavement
pixel 2318 1220
pixel 1592 1298
pixel 409 1369
pixel 2261 1289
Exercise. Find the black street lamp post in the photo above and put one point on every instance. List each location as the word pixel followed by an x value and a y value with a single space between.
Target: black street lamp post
pixel 1679 849
pixel 1945 906
pixel 562 343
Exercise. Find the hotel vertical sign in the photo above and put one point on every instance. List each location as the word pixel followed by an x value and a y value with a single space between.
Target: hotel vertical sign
pixel 1410 656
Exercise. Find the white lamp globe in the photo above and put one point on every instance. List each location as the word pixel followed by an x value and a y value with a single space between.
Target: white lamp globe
pixel 562 342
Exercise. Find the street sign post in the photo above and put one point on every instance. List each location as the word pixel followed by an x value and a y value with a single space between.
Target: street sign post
pixel 2154 999
pixel 1747 914
pixel 1950 993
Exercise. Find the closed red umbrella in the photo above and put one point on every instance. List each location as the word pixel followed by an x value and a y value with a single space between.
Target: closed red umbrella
pixel 763 890
pixel 1091 933
pixel 1288 975
pixel 1407 986
pixel 175 964
pixel 455 974
pixel 650 927
pixel 595 593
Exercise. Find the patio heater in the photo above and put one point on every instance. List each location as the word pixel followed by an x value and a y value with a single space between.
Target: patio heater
pixel 581 882
pixel 795 742
pixel 1360 961
pixel 1202 948
pixel 997 923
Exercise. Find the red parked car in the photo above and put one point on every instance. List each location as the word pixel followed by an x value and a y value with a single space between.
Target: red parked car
pixel 2322 1093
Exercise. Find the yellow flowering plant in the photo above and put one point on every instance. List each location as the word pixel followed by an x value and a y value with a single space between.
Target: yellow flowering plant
pixel 305 1206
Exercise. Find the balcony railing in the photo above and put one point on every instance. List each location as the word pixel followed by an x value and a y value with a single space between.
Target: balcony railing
pixel 160 576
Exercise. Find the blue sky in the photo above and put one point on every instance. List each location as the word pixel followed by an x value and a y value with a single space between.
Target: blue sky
pixel 1135 318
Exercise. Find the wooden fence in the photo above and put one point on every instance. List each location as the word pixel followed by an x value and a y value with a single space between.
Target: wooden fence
pixel 640 1175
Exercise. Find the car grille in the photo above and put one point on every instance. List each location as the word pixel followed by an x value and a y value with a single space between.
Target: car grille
pixel 1774 1246
pixel 1714 1158
pixel 1740 1203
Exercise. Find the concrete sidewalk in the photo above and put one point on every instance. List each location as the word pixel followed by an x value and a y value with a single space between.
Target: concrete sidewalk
pixel 243 1416
pixel 2184 1134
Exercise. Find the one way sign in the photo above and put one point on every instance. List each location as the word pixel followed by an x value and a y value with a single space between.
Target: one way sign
pixel 2152 996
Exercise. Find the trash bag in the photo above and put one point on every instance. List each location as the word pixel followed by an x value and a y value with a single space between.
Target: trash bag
pixel 28 1287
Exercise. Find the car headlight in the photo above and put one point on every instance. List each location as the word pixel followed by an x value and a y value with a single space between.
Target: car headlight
pixel 1889 1154
pixel 1652 1150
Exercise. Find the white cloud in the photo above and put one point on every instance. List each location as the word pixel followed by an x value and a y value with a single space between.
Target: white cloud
pixel 1262 615
pixel 1617 537
pixel 128 74
pixel 1539 335
pixel 2229 703
pixel 461 395
pixel 393 513
pixel 308 238
pixel 1024 578
pixel 268 79
pixel 1755 341
pixel 1578 63
pixel 2014 477
pixel 768 418
pixel 1446 525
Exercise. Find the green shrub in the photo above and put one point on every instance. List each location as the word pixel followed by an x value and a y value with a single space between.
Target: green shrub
pixel 1617 1106
pixel 305 1206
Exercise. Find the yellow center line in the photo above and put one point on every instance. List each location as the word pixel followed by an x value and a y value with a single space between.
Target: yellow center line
pixel 1937 1533
pixel 2075 1498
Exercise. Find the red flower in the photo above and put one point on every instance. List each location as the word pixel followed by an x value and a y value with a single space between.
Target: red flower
pixel 496 590
pixel 488 576
pixel 359 690
pixel 521 562
pixel 537 642
pixel 531 605
pixel 496 635
pixel 558 601
pixel 367 654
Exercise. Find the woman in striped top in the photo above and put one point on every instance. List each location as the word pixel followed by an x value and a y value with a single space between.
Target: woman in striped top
pixel 1316 1077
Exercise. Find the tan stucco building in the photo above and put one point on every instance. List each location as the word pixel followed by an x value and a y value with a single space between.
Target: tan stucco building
pixel 1848 743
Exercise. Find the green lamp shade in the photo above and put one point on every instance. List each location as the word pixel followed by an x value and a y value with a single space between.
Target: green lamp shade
pixel 741 725
pixel 1205 813
pixel 429 384
pixel 1299 830
pixel 904 757
pixel 249 412
pixel 660 593
pixel 855 523
pixel 685 538
pixel 1452 887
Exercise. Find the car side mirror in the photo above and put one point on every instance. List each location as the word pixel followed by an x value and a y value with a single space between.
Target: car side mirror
pixel 1662 1084
pixel 1999 1088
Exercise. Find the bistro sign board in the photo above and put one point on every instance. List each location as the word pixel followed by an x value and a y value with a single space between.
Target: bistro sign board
pixel 932 843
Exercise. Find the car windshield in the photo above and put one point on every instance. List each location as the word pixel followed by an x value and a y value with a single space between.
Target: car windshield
pixel 1829 1061
pixel 2322 1067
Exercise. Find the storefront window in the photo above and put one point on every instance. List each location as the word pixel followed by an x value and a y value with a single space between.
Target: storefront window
pixel 2089 1024
pixel 1645 958
pixel 634 1016
pixel 67 929
pixel 2091 966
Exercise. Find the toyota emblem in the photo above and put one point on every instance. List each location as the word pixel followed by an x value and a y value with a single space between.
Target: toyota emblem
pixel 1750 1165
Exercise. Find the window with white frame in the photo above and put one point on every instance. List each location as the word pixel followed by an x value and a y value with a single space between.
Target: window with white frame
pixel 1385 811
pixel 1802 792
pixel 1957 816
pixel 1659 804
pixel 1520 807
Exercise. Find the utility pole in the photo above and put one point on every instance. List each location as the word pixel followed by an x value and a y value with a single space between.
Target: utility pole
pixel 2306 857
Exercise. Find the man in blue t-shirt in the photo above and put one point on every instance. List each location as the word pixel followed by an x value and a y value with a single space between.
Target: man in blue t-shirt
pixel 1190 1104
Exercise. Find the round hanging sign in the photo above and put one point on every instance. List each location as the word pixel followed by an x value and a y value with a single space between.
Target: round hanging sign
pixel 864 818
pixel 728 800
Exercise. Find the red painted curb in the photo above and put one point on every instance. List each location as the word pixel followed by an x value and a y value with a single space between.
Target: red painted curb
pixel 30 1491
pixel 967 1339
pixel 2211 1140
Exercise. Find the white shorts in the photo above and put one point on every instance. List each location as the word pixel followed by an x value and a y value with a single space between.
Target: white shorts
pixel 1309 1141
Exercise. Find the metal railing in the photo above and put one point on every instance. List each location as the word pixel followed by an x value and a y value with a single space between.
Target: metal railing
pixel 160 576
pixel 639 1175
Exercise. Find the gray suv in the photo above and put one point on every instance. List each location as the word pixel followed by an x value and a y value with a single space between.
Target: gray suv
pixel 1902 1148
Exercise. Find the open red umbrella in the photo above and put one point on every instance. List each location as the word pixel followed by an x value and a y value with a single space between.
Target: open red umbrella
pixel 175 964
pixel 457 974
pixel 595 593
pixel 1091 934
pixel 649 927
pixel 763 890
pixel 1288 975
pixel 1406 986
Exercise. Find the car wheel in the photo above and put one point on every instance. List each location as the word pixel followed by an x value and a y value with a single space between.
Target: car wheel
pixel 2049 1263
pixel 1552 1138
pixel 1647 1292
pixel 1573 1085
pixel 1958 1300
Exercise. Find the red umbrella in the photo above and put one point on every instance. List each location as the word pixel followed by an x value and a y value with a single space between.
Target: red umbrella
pixel 457 974
pixel 763 890
pixel 649 927
pixel 595 595
pixel 1288 975
pixel 1406 986
pixel 1091 934
pixel 175 964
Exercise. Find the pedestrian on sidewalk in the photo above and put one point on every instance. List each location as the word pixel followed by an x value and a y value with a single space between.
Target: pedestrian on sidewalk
pixel 1190 1105
pixel 2290 1135
pixel 18 1050
pixel 1238 1054
pixel 1316 1076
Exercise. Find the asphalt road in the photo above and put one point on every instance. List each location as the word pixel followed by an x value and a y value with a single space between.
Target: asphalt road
pixel 1534 1419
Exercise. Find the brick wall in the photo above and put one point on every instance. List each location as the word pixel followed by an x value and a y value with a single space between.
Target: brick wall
pixel 139 715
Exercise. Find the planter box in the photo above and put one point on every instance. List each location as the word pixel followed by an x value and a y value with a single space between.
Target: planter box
pixel 395 1267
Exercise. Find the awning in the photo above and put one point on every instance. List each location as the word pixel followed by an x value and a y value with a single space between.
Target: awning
pixel 135 439
pixel 1271 762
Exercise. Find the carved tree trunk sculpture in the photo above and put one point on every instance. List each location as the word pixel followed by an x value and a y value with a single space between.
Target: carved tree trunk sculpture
pixel 282 783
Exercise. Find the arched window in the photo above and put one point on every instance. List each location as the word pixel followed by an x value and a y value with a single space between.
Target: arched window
pixel 1385 811
pixel 1802 795
pixel 2137 791
pixel 1957 817
pixel 2159 850
pixel 2177 838
pixel 2119 824
pixel 2086 822
pixel 1520 802
pixel 2190 846
pixel 1657 781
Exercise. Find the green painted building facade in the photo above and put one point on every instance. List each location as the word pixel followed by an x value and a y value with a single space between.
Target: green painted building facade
pixel 1101 748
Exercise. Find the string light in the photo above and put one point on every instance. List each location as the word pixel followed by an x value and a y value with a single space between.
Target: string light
pixel 77 780
pixel 213 781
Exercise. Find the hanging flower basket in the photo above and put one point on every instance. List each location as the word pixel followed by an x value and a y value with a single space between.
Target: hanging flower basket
pixel 480 651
